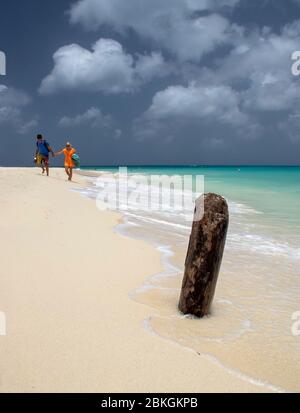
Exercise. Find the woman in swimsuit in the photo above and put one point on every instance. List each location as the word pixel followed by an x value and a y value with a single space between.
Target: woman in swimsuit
pixel 68 151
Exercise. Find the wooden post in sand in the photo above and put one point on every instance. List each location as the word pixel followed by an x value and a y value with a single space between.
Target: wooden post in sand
pixel 204 255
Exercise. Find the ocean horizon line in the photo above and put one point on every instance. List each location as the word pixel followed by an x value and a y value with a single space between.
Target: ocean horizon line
pixel 191 166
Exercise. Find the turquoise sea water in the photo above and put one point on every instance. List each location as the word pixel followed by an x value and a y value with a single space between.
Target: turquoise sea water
pixel 274 192
pixel 258 290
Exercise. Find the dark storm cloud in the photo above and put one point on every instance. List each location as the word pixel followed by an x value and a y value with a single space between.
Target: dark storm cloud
pixel 139 82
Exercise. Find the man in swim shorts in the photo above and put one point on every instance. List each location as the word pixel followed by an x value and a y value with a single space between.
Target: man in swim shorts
pixel 42 153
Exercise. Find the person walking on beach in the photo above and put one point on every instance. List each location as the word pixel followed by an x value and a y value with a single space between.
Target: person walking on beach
pixel 68 151
pixel 42 153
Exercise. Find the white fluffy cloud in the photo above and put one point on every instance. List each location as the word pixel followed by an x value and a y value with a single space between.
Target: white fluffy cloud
pixel 11 97
pixel 152 66
pixel 260 65
pixel 249 85
pixel 217 103
pixel 260 58
pixel 11 103
pixel 171 24
pixel 106 68
pixel 92 117
pixel 204 107
pixel 255 78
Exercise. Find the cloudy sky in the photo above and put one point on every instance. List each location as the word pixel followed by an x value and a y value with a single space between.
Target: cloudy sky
pixel 151 82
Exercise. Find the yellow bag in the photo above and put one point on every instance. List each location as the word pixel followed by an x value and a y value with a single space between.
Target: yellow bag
pixel 39 159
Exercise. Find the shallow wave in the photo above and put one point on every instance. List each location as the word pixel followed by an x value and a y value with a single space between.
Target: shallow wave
pixel 242 237
pixel 244 234
pixel 236 373
pixel 142 199
pixel 238 208
pixel 262 245
pixel 214 331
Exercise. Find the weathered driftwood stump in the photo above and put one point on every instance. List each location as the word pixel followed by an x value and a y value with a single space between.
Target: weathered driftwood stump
pixel 204 255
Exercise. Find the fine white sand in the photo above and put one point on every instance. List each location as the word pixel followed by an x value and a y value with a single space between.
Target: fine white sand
pixel 65 279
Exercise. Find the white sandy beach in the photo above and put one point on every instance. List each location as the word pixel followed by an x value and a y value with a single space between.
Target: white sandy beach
pixel 65 280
